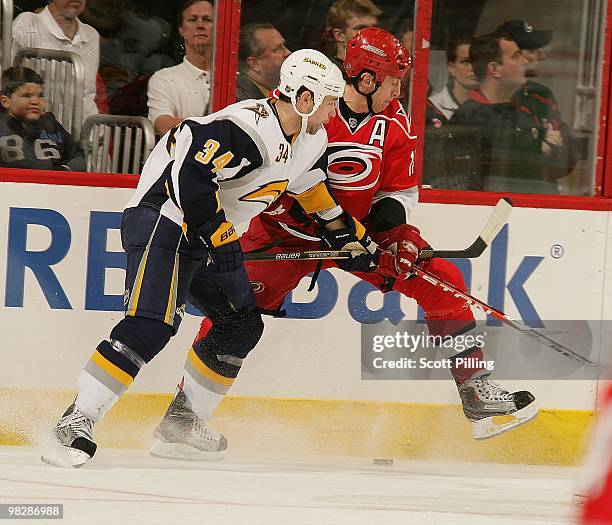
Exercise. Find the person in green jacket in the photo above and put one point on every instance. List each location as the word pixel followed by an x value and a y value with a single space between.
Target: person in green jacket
pixel 534 95
pixel 519 150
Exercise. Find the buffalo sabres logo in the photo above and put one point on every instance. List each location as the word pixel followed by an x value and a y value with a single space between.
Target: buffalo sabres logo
pixel 353 166
pixel 259 110
pixel 267 193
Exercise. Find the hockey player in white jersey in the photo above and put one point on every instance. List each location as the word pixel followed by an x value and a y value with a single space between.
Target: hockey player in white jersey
pixel 204 177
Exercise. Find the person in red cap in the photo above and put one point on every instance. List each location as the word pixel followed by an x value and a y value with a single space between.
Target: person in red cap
pixel 369 165
pixel 537 97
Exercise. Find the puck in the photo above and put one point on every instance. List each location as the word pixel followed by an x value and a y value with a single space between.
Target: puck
pixel 382 461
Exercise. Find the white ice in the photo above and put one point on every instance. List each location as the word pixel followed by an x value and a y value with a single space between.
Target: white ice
pixel 130 487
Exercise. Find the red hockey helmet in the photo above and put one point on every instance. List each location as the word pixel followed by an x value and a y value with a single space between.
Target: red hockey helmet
pixel 377 51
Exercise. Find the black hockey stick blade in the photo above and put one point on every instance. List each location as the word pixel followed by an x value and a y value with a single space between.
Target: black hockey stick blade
pixel 499 217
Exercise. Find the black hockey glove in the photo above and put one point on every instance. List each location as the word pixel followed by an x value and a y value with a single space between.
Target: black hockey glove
pixel 221 241
pixel 226 258
pixel 354 239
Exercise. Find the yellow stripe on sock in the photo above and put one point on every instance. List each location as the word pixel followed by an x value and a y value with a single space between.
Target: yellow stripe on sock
pixel 113 370
pixel 207 372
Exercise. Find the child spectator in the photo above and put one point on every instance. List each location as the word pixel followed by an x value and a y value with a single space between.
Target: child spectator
pixel 57 27
pixel 29 137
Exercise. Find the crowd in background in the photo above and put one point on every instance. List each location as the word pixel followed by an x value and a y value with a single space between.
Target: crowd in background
pixel 492 127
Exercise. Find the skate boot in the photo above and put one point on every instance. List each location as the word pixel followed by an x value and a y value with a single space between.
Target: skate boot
pixel 74 431
pixel 183 435
pixel 493 410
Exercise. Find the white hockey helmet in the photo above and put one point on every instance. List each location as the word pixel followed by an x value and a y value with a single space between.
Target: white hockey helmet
pixel 314 71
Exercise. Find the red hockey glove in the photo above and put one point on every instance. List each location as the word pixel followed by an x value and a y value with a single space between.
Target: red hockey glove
pixel 401 247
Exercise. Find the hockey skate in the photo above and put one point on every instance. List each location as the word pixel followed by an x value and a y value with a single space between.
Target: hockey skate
pixel 181 434
pixel 74 432
pixel 493 410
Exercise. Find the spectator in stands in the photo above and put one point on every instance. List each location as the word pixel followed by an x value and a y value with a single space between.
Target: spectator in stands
pixel 58 27
pixel 450 159
pixel 131 45
pixel 29 137
pixel 461 80
pixel 533 95
pixel 183 91
pixel 262 51
pixel 344 19
pixel 519 152
pixel 405 32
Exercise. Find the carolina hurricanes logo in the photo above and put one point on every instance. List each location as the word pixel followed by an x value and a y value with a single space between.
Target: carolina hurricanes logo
pixel 257 286
pixel 352 166
pixel 267 193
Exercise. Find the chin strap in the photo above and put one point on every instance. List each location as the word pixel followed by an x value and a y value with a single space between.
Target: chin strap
pixel 368 96
pixel 304 126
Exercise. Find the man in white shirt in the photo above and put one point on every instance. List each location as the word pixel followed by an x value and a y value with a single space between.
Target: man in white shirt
pixel 57 27
pixel 182 91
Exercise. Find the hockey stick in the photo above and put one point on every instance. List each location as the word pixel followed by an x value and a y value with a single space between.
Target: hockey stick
pixel 496 222
pixel 499 217
pixel 318 255
pixel 430 278
pixel 501 316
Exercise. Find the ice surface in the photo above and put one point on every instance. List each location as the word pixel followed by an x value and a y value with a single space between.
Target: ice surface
pixel 130 487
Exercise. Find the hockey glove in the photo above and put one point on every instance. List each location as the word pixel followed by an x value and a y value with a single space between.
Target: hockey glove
pixel 401 247
pixel 221 241
pixel 355 239
pixel 226 258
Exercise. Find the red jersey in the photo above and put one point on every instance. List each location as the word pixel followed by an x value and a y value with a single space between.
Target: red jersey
pixel 598 505
pixel 368 157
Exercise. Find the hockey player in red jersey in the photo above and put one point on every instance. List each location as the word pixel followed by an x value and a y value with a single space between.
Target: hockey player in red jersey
pixel 369 163
pixel 597 508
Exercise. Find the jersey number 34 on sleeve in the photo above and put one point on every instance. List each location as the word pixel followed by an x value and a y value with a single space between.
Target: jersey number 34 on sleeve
pixel 208 152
